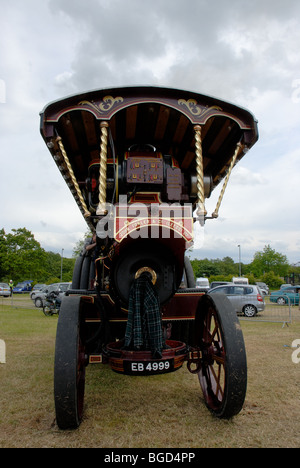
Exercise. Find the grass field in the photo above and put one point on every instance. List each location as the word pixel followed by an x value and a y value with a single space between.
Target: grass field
pixel 144 412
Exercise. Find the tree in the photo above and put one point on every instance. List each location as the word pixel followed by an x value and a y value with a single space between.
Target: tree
pixel 205 268
pixel 269 260
pixel 214 267
pixel 22 257
pixel 81 243
pixel 272 280
pixel 53 265
pixel 228 266
pixel 3 254
pixel 54 268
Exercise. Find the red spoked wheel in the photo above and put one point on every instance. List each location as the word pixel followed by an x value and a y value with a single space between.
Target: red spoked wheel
pixel 223 366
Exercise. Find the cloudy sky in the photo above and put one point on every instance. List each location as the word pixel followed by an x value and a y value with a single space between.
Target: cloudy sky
pixel 244 52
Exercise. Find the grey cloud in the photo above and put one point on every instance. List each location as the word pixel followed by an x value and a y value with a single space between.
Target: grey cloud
pixel 241 51
pixel 120 40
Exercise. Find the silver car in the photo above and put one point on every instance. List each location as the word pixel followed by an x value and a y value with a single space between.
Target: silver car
pixel 4 289
pixel 36 289
pixel 40 296
pixel 246 299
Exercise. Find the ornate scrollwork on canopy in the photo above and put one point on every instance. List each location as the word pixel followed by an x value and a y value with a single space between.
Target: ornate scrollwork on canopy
pixel 195 109
pixel 104 106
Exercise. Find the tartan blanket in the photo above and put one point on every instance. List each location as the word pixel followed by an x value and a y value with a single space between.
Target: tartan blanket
pixel 144 326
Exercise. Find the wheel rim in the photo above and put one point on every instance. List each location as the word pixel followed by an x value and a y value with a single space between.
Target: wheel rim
pixel 212 376
pixel 281 301
pixel 47 311
pixel 249 311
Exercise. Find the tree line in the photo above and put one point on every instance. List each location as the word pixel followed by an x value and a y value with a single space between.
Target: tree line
pixel 268 266
pixel 23 258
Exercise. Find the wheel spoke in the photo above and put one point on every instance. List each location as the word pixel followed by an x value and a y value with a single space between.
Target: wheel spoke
pixel 216 384
pixel 218 359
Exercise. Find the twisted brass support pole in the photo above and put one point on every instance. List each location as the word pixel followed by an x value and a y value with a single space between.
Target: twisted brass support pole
pixel 239 147
pixel 101 210
pixel 72 176
pixel 201 211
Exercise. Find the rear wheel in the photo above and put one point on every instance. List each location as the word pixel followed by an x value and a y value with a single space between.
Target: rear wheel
pixel 84 272
pixel 48 310
pixel 281 301
pixel 38 302
pixel 249 310
pixel 223 367
pixel 70 364
pixel 189 273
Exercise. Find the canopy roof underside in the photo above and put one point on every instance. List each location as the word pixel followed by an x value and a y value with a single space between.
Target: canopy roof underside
pixel 163 117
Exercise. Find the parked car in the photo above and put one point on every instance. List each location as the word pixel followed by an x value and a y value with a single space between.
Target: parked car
pixel 202 283
pixel 36 288
pixel 23 287
pixel 263 287
pixel 214 284
pixel 40 296
pixel 288 295
pixel 4 290
pixel 240 280
pixel 246 300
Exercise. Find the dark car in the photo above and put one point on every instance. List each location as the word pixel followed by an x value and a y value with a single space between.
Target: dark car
pixel 23 287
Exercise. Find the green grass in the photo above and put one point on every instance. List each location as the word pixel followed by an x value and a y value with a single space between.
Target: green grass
pixel 151 412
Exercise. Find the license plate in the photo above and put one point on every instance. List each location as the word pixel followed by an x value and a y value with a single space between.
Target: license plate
pixel 148 367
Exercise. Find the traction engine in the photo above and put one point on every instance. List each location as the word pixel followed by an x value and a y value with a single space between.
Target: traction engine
pixel 140 163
